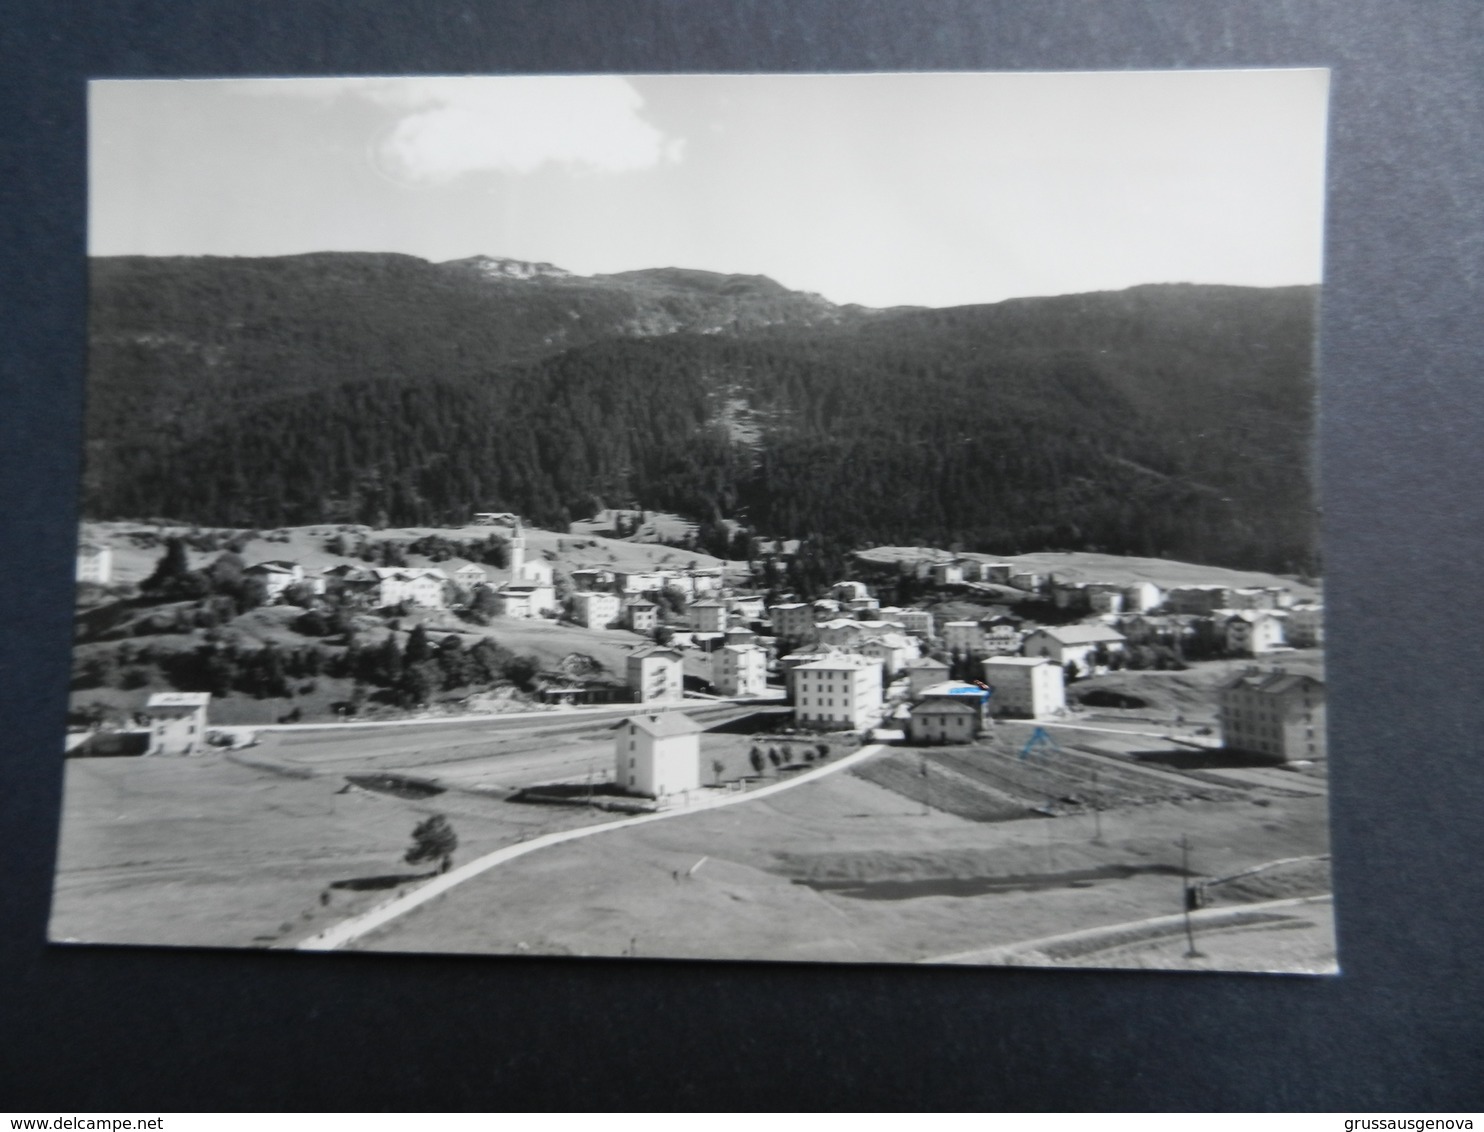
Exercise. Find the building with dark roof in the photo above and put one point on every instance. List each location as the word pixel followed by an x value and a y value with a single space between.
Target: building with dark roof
pixel 1274 713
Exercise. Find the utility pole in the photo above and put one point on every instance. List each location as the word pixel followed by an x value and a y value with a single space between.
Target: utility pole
pixel 1097 811
pixel 1188 897
pixel 927 786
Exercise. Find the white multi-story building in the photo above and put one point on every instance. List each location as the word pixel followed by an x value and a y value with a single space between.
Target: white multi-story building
pixel 849 591
pixel 739 670
pixel 413 585
pixel 640 616
pixel 748 608
pixel 595 610
pixel 94 563
pixel 592 578
pixel 838 692
pixel 658 755
pixel 843 632
pixel 962 636
pixel 639 581
pixel 708 616
pixel 918 622
pixel 177 722
pixel 1000 638
pixel 792 621
pixel 1305 627
pixel 1252 632
pixel 655 674
pixel 947 573
pixel 1141 597
pixel 893 650
pixel 923 673
pixel 1274 713
pixel 1025 685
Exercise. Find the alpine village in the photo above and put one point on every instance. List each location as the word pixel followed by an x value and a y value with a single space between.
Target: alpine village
pixel 482 607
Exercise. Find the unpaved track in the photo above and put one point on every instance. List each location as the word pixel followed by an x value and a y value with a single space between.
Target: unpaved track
pixel 350 930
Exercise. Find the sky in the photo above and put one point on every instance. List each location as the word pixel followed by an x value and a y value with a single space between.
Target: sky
pixel 881 189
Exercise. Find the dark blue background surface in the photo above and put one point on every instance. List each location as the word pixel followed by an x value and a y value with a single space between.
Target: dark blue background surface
pixel 1403 405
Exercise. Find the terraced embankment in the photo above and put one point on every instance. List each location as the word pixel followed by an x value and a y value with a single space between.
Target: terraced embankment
pixel 993 782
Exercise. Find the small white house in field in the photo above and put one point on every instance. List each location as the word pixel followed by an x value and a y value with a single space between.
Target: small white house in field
pixel 658 754
pixel 943 719
pixel 655 674
pixel 94 563
pixel 739 670
pixel 177 722
pixel 1025 685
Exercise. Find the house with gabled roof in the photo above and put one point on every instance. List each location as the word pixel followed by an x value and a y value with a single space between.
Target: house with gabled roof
pixel 1274 713
pixel 924 672
pixel 943 719
pixel 708 616
pixel 1075 643
pixel 655 674
pixel 658 754
pixel 177 722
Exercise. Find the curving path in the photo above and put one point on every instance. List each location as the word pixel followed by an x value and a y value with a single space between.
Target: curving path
pixel 347 931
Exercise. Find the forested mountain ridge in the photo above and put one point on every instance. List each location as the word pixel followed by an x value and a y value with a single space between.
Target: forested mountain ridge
pixel 1162 420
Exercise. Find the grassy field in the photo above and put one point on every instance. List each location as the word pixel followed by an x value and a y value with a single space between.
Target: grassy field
pixel 265 847
pixel 1190 693
pixel 844 869
pixel 132 562
pixel 1080 566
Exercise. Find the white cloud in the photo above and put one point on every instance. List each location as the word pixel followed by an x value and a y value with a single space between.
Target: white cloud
pixel 452 126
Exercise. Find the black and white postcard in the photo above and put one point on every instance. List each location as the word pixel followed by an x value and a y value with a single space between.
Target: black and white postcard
pixel 830 518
